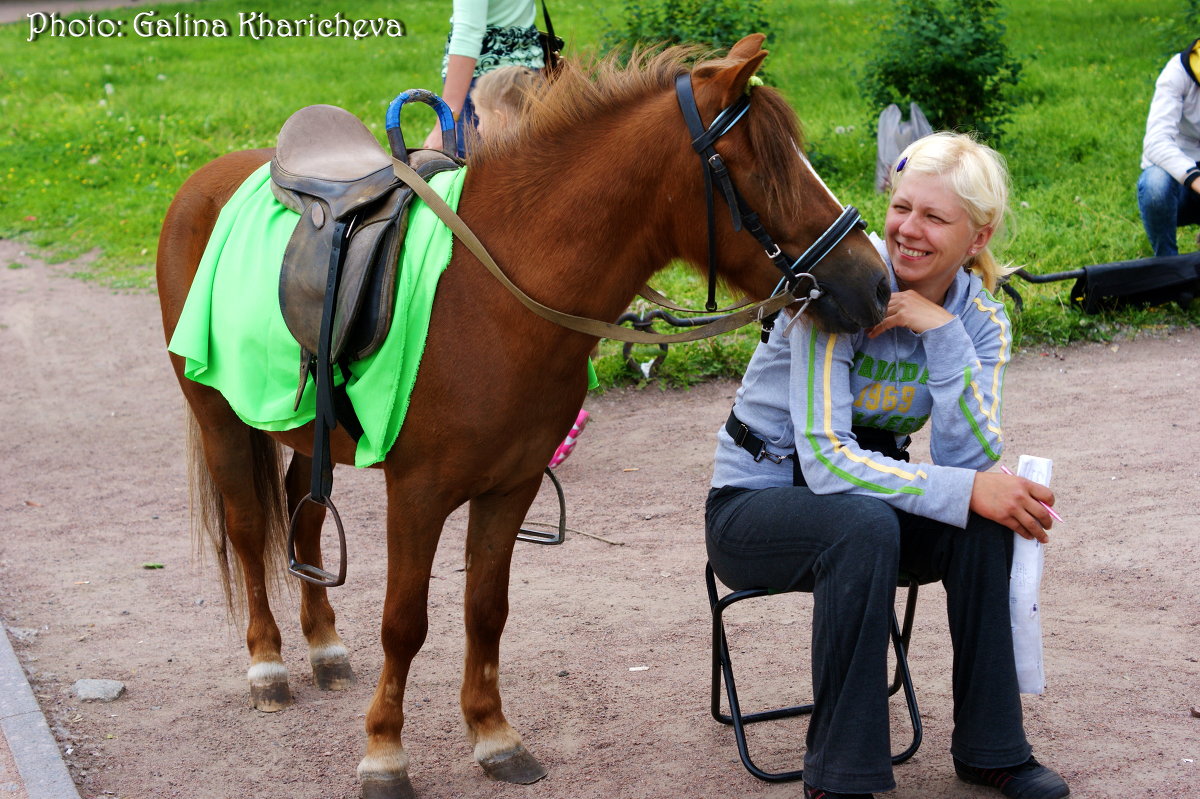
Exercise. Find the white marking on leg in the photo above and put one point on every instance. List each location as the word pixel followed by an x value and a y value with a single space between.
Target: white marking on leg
pixel 267 672
pixel 500 741
pixel 322 654
pixel 385 765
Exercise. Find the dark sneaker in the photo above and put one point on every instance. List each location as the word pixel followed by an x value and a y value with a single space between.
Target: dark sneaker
pixel 820 793
pixel 1030 780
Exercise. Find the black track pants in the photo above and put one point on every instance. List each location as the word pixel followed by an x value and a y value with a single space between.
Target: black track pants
pixel 848 550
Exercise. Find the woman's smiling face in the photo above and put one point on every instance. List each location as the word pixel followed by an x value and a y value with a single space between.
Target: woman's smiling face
pixel 929 235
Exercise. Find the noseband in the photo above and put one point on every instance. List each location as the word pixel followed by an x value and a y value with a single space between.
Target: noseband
pixel 741 215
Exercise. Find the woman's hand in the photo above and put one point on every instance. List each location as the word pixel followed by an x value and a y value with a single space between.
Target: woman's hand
pixel 434 140
pixel 910 309
pixel 1013 502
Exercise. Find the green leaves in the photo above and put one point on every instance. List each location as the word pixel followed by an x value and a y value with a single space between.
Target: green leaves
pixel 951 59
pixel 714 23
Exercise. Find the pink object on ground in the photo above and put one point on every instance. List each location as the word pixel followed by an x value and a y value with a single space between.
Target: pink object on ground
pixel 568 445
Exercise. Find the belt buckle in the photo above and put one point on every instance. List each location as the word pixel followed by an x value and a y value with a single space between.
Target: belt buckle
pixel 771 456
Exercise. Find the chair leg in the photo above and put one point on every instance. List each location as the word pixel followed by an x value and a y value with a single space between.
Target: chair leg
pixel 900 644
pixel 722 670
pixel 910 612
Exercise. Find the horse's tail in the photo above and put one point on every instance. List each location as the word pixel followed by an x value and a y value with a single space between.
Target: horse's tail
pixel 208 514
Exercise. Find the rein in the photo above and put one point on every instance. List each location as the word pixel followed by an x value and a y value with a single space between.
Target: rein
pixel 581 324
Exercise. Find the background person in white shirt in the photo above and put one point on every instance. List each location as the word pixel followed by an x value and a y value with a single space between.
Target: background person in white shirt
pixel 1169 189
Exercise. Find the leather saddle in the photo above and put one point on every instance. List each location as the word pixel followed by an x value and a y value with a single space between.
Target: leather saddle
pixel 329 168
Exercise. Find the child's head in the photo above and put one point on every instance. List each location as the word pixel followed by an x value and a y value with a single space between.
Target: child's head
pixel 500 96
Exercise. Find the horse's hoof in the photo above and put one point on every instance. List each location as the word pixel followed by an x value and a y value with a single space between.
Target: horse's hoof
pixel 269 686
pixel 387 788
pixel 516 766
pixel 270 697
pixel 333 674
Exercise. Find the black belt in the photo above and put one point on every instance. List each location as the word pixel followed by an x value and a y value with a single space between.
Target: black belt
pixel 744 438
pixel 871 438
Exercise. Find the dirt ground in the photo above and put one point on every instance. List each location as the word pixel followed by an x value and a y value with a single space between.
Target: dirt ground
pixel 605 666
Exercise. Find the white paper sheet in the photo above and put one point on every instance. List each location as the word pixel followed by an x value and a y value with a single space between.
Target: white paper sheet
pixel 1024 588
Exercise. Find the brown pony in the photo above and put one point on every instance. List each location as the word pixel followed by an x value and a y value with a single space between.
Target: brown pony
pixel 595 192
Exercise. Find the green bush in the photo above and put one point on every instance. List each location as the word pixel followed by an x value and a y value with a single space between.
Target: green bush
pixel 714 23
pixel 951 59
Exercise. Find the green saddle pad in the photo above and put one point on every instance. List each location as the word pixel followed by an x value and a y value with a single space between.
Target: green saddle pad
pixel 233 338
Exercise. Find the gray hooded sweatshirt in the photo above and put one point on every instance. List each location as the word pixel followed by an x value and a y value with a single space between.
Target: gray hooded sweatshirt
pixel 804 390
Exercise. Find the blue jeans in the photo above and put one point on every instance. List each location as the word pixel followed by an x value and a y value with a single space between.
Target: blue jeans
pixel 847 550
pixel 1165 205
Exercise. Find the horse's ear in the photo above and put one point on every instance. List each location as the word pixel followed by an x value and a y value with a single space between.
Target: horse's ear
pixel 728 77
pixel 748 46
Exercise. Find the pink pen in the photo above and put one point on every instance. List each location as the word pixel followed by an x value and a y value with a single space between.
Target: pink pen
pixel 1049 509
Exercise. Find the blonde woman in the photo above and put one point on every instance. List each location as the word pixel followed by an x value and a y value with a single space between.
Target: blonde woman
pixel 813 489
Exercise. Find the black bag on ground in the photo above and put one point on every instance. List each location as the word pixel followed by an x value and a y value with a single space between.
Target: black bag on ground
pixel 1147 281
pixel 1151 281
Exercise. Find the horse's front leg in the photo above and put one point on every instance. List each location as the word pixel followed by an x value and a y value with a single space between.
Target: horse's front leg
pixel 491 534
pixel 414 521
pixel 328 656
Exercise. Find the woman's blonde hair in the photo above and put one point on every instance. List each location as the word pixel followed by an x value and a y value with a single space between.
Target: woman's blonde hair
pixel 506 89
pixel 974 172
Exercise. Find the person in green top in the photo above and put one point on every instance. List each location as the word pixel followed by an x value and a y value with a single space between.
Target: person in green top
pixel 484 35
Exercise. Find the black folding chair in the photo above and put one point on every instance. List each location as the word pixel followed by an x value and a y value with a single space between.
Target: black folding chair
pixel 722 669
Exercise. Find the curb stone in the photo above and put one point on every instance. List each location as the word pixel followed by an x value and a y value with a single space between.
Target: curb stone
pixel 39 762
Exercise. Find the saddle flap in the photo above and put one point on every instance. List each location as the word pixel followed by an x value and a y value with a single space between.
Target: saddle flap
pixel 373 316
pixel 366 290
pixel 370 253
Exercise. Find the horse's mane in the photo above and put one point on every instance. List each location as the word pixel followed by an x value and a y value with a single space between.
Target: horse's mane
pixel 580 95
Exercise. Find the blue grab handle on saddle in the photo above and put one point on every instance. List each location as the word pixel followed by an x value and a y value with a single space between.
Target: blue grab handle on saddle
pixel 444 114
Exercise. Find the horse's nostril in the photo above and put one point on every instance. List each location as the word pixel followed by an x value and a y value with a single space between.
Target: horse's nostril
pixel 883 291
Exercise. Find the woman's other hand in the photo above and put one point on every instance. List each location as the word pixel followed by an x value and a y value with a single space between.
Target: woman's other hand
pixel 1013 502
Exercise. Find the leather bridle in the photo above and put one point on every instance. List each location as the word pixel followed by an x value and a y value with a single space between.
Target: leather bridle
pixel 741 215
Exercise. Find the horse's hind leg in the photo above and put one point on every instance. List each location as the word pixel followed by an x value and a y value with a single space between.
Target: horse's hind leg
pixel 327 654
pixel 241 482
pixel 491 535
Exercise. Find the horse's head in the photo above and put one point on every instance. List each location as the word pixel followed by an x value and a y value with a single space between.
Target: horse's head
pixel 756 137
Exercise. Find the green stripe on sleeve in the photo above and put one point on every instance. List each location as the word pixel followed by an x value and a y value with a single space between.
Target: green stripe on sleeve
pixel 962 404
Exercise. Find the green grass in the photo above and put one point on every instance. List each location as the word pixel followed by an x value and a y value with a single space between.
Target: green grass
pixel 97 134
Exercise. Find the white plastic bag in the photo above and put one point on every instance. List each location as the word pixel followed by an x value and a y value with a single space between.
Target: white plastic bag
pixel 1024 587
pixel 894 135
